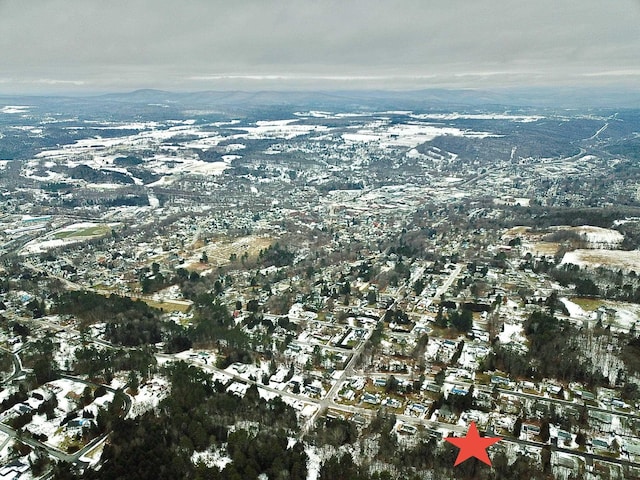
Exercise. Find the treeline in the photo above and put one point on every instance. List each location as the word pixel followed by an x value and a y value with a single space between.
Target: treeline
pixel 130 200
pixel 544 217
pixel 601 282
pixel 85 172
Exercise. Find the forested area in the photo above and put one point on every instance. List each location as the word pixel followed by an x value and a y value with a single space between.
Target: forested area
pixel 95 362
pixel 560 350
pixel 198 415
pixel 128 322
pixel 410 462
pixel 553 353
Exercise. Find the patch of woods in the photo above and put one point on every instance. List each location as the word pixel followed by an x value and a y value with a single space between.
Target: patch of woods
pixel 544 217
pixel 85 172
pixel 559 349
pixel 275 255
pixel 191 283
pixel 197 416
pixel 600 282
pixel 391 458
pixel 450 317
pixel 128 322
pixel 106 362
pixel 554 350
pixel 39 356
pixel 113 200
pixel 132 323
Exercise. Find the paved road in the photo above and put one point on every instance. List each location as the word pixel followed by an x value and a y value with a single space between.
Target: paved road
pixel 347 372
pixel 328 400
pixel 17 366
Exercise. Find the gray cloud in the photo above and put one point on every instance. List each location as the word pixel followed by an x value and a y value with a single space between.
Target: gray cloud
pixel 194 44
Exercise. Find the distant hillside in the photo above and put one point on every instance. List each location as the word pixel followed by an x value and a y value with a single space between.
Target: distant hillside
pixel 535 97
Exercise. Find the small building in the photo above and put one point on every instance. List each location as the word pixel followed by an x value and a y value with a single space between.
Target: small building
pixel 380 382
pixel 564 435
pixel 80 424
pixel 566 462
pixel 392 403
pixel 600 444
pixel 585 395
pixel 554 389
pixel 349 395
pixel 631 448
pixel 602 420
pixel 459 391
pixel 499 380
pixel 417 409
pixel 407 429
pixel 14 470
pixel 433 387
pixel 358 419
pixel 370 399
pixel 432 432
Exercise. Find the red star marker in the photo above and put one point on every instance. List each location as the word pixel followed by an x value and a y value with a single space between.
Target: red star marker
pixel 473 445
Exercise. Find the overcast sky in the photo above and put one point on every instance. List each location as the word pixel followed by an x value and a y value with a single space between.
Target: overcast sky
pixel 114 45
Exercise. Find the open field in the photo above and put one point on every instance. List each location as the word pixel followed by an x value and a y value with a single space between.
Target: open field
pixel 625 314
pixel 220 250
pixel 82 230
pixel 545 248
pixel 92 231
pixel 588 304
pixel 168 305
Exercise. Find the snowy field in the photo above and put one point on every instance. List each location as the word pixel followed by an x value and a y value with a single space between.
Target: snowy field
pixel 596 236
pixel 407 135
pixel 513 333
pixel 13 109
pixel 617 259
pixel 78 232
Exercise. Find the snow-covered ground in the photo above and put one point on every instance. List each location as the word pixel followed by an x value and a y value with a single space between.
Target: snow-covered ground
pixel 617 259
pixel 285 129
pixel 46 245
pixel 513 333
pixel 407 135
pixel 478 116
pixel 597 237
pixel 149 396
pixel 314 462
pixel 13 109
pixel 170 293
pixel 211 458
pixel 68 392
pixel 48 242
pixel 575 310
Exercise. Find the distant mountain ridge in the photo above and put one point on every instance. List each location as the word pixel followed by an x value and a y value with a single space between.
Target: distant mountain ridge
pixel 540 97
pixel 564 97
